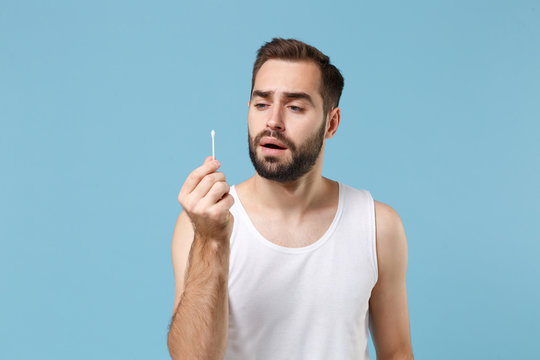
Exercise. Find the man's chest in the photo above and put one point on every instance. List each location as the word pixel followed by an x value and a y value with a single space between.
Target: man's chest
pixel 294 234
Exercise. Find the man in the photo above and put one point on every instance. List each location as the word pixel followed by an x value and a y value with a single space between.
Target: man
pixel 288 264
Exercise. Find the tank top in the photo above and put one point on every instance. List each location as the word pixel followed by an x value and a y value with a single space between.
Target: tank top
pixel 303 303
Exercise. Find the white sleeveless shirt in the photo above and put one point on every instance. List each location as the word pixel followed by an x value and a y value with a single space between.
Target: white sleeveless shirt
pixel 303 303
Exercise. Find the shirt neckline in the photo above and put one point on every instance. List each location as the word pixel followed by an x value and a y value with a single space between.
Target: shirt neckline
pixel 321 241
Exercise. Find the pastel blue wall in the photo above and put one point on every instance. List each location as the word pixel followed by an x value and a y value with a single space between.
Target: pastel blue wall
pixel 106 106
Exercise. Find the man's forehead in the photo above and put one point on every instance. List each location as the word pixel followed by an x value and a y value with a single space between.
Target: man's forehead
pixel 278 76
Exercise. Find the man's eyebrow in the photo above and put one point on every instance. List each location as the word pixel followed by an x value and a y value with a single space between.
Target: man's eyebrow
pixel 263 94
pixel 299 95
pixel 287 95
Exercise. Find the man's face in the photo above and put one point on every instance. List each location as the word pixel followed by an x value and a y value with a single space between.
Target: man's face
pixel 286 123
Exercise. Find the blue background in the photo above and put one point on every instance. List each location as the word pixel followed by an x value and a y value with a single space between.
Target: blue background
pixel 106 106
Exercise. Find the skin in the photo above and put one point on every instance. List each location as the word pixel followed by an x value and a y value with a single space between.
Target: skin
pixel 297 213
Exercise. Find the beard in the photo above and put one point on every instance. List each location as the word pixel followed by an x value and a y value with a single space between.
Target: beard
pixel 303 156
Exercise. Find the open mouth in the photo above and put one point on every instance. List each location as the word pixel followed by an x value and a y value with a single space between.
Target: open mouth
pixel 273 146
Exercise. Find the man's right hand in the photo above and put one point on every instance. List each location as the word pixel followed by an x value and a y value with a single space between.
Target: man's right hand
pixel 205 198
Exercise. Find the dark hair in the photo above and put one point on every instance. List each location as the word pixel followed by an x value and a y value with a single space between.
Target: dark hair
pixel 290 49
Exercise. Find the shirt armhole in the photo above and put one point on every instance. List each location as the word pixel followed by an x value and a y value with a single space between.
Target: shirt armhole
pixel 373 226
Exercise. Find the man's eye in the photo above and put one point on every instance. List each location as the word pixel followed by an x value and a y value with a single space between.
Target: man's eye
pixel 296 108
pixel 260 106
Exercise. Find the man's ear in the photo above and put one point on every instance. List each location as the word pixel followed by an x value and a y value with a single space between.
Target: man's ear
pixel 334 117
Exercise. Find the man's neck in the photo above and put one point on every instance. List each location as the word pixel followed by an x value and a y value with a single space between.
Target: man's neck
pixel 293 198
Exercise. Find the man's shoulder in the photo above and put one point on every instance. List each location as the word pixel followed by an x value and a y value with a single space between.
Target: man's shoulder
pixel 238 187
pixel 387 220
pixel 390 235
pixel 349 191
pixel 385 211
pixel 241 184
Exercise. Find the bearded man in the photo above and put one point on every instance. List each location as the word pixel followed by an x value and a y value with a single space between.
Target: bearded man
pixel 287 264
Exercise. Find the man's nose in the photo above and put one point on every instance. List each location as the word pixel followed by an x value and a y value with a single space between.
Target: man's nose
pixel 275 121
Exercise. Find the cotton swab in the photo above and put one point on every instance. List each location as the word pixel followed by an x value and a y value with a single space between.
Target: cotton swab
pixel 213 151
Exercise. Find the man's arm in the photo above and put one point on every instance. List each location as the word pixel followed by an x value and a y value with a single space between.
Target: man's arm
pixel 200 253
pixel 389 314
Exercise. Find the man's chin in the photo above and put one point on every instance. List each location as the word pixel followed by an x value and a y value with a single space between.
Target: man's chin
pixel 272 167
pixel 271 159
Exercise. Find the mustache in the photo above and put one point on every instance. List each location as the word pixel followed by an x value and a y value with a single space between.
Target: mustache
pixel 275 135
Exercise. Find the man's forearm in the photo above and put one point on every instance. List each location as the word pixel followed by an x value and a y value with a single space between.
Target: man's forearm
pixel 403 355
pixel 199 326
